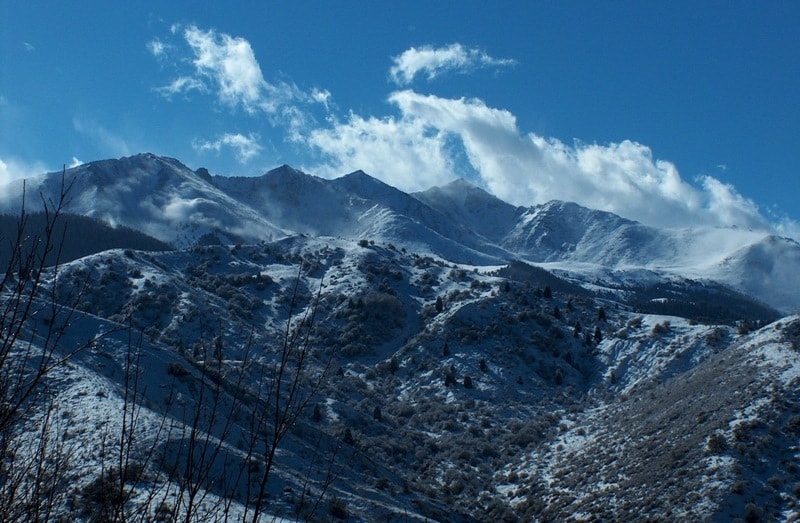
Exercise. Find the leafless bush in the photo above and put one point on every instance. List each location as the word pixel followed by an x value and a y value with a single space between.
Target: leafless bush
pixel 32 324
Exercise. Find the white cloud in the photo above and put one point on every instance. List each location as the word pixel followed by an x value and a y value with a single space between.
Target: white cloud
pixel 724 201
pixel 322 97
pixel 406 153
pixel 227 66
pixel 244 147
pixel 181 210
pixel 75 162
pixel 111 143
pixel 156 47
pixel 15 169
pixel 181 85
pixel 434 61
pixel 412 151
pixel 29 47
pixel 788 228
pixel 231 64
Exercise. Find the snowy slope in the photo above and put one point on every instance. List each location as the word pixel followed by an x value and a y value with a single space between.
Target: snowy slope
pixel 459 222
pixel 156 195
pixel 357 206
pixel 474 208
pixel 766 268
pixel 708 433
pixel 596 245
pixel 468 393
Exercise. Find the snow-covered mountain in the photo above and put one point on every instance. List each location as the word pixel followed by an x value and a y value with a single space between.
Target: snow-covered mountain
pixel 603 246
pixel 155 195
pixel 447 394
pixel 474 208
pixel 460 222
pixel 452 358
pixel 356 206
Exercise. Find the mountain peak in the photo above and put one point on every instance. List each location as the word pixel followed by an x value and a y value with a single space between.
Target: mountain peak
pixel 203 173
pixel 576 212
pixel 472 207
pixel 464 191
pixel 361 176
pixel 150 158
pixel 284 169
pixel 461 183
pixel 364 185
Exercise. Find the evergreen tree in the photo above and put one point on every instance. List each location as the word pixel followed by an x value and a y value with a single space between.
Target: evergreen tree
pixel 450 376
pixel 317 414
pixel 218 348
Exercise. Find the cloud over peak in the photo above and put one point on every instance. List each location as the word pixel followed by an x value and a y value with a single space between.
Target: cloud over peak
pixel 245 147
pixel 429 140
pixel 414 151
pixel 433 61
pixel 13 168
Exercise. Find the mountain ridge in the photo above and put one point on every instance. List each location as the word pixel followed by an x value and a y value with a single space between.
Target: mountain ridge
pixel 165 199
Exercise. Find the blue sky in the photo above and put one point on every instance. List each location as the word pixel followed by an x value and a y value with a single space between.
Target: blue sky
pixel 671 113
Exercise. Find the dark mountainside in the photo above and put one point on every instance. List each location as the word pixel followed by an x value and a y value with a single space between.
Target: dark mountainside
pixel 76 236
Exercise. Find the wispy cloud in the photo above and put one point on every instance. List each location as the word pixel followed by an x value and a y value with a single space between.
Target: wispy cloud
pixel 245 147
pixel 788 228
pixel 106 140
pixel 12 168
pixel 29 47
pixel 226 67
pixel 156 47
pixel 181 85
pixel 322 97
pixel 433 61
